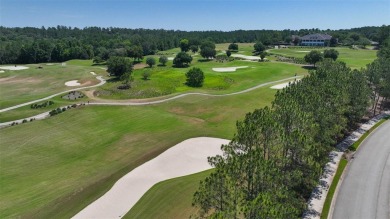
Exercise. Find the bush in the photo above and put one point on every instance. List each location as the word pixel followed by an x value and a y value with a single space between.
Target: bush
pixel 195 77
pixel 146 74
pixel 24 121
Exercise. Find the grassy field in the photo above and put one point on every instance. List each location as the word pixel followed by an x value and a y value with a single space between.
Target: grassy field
pixel 354 58
pixel 168 80
pixel 79 154
pixel 55 167
pixel 169 199
pixel 26 85
pixel 332 188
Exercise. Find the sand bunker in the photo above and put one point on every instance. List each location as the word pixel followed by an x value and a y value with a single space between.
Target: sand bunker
pixel 228 69
pixel 171 58
pixel 13 68
pixel 2 71
pixel 303 51
pixel 283 85
pixel 187 157
pixel 93 73
pixel 72 83
pixel 49 64
pixel 246 57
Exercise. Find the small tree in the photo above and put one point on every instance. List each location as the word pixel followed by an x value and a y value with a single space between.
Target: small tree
pixel 331 53
pixel 184 45
pixel 259 47
pixel 150 61
pixel 262 55
pixel 146 74
pixel 182 59
pixel 233 47
pixel 313 57
pixel 195 77
pixel 228 53
pixel 194 48
pixel 208 52
pixel 163 60
pixel 121 68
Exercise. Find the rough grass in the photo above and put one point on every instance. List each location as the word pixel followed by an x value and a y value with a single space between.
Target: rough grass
pixel 53 168
pixel 356 145
pixel 26 85
pixel 328 201
pixel 169 199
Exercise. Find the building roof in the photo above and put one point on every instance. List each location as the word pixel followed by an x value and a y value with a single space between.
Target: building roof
pixel 316 36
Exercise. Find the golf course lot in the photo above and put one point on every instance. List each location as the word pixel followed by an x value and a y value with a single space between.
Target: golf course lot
pixel 78 155
pixel 34 83
pixel 354 58
pixel 168 80
pixel 53 168
pixel 169 199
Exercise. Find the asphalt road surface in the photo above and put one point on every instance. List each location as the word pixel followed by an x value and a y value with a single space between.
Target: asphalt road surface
pixel 365 190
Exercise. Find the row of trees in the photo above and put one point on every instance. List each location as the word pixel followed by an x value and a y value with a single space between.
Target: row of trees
pixel 315 56
pixel 275 159
pixel 57 44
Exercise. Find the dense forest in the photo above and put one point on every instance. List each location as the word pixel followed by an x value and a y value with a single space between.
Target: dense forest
pixel 276 157
pixel 57 44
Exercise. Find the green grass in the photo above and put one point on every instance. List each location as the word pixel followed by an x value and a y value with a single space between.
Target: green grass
pixel 356 145
pixel 26 85
pixel 328 201
pixel 169 199
pixel 168 80
pixel 79 154
pixel 354 58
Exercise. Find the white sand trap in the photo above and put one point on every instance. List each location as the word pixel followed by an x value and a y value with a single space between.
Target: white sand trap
pixel 93 73
pixel 13 68
pixel 171 58
pixel 283 85
pixel 49 64
pixel 187 157
pixel 303 51
pixel 72 83
pixel 2 71
pixel 228 69
pixel 246 57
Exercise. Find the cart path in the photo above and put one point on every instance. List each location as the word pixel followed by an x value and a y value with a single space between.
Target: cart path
pixel 127 102
pixel 100 78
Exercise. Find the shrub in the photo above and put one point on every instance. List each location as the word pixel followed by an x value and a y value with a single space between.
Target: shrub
pixel 195 77
pixel 24 121
pixel 146 74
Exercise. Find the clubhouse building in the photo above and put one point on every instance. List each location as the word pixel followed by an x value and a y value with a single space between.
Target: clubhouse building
pixel 316 39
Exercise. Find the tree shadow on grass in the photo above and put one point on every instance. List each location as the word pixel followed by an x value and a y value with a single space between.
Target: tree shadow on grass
pixel 113 80
pixel 205 60
pixel 309 67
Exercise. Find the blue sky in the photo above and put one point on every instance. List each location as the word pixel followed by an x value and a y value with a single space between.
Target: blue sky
pixel 197 15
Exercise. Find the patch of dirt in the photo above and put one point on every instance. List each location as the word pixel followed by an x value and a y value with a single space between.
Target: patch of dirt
pixel 14 79
pixel 140 66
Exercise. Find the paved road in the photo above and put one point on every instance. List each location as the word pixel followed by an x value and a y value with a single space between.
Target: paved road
pixel 365 190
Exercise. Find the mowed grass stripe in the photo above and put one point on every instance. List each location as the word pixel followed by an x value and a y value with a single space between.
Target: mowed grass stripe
pixel 169 199
pixel 55 167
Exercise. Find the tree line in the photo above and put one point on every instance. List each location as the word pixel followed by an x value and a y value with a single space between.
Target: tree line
pixel 277 155
pixel 56 44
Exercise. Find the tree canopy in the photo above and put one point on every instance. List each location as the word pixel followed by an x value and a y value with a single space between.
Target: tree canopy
pixel 195 77
pixel 233 47
pixel 259 47
pixel 150 61
pixel 275 159
pixel 331 53
pixel 120 67
pixel 182 59
pixel 313 57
